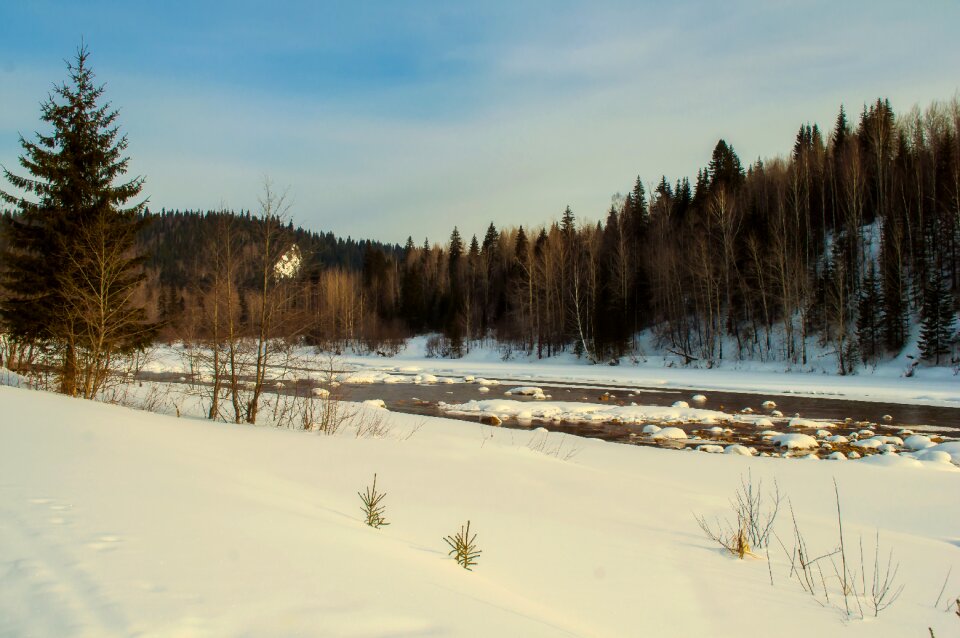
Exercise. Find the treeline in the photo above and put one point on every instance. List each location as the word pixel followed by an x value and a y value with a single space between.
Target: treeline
pixel 848 243
pixel 181 248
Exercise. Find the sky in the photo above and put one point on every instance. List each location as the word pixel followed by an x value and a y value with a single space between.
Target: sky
pixel 386 119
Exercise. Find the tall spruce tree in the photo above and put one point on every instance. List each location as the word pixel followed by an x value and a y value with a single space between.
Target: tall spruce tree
pixel 70 271
pixel 869 313
pixel 937 317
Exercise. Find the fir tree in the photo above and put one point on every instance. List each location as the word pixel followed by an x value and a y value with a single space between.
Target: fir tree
pixel 70 267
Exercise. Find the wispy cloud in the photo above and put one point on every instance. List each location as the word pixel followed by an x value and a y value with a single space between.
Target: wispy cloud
pixel 396 119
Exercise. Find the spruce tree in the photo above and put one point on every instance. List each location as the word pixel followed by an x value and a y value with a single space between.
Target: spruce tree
pixel 70 269
pixel 937 317
pixel 869 306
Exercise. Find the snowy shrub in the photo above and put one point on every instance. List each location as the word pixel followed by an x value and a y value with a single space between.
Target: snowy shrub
pixel 864 589
pixel 755 515
pixel 463 547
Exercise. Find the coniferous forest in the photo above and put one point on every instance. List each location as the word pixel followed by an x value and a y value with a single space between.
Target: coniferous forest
pixel 849 243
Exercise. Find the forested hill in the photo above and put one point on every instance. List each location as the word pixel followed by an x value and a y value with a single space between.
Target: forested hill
pixel 847 245
pixel 176 240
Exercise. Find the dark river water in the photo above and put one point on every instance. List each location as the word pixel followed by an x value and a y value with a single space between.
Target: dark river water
pixel 424 398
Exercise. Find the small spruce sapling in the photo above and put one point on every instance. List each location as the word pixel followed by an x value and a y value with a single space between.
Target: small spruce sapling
pixel 373 507
pixel 463 547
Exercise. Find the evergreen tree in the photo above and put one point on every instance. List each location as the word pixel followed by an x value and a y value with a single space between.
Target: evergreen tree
pixel 937 317
pixel 894 318
pixel 725 168
pixel 568 224
pixel 70 269
pixel 869 306
pixel 454 322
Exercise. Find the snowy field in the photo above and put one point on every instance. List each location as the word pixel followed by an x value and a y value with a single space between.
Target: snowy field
pixel 116 522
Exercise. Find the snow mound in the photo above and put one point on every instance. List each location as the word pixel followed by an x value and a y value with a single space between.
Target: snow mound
pixel 891 460
pixel 918 442
pixel 483 389
pixel 680 404
pixel 651 429
pixel 797 422
pixel 320 392
pixel 768 405
pixel 740 450
pixel 527 391
pixel 837 456
pixel 933 456
pixel 376 403
pixel 711 449
pixel 577 412
pixel 670 433
pixel 699 398
pixel 951 447
pixel 879 442
pixel 795 441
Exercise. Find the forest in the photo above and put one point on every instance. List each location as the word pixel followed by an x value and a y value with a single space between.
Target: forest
pixel 848 242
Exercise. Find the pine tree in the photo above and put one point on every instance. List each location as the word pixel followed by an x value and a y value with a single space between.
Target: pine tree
pixel 70 268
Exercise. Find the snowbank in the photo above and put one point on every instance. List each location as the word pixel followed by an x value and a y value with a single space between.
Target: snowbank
pixel 115 523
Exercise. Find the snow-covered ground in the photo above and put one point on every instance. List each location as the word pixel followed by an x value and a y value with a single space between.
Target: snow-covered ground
pixel 115 522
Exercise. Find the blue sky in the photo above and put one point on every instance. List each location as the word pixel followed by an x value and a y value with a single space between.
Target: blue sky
pixel 388 119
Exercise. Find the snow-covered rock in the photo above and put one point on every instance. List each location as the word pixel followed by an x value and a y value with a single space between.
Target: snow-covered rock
pixel 527 391
pixel 950 447
pixel 680 404
pixel 918 442
pixel 712 449
pixel 795 441
pixel 740 450
pixel 933 456
pixel 670 433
